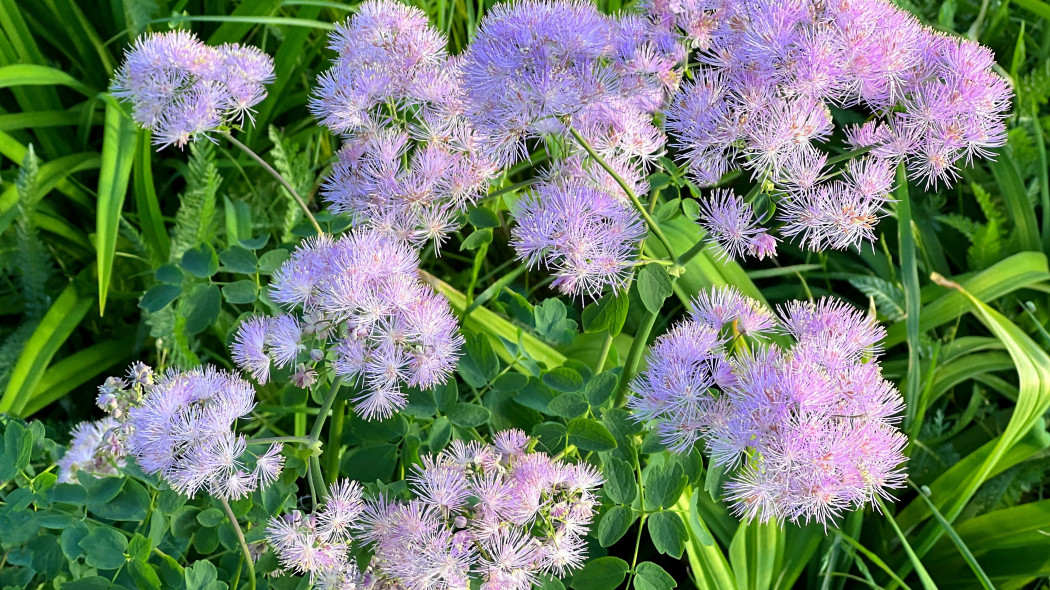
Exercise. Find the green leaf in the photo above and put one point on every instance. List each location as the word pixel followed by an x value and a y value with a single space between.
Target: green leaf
pixel 568 405
pixel 158 297
pixel 211 517
pixel 620 484
pixel 70 540
pixel 139 547
pixel 200 575
pixel 663 485
pixel 369 463
pixel 168 274
pixel 104 548
pixel 563 379
pixel 240 292
pixel 131 503
pixel 668 533
pixel 269 261
pixel 600 388
pixel 590 435
pixel 614 524
pixel 608 314
pixel 479 365
pixel 654 286
pixel 145 577
pixel 603 573
pixel 239 260
pixel 482 217
pixel 201 262
pixel 649 576
pixel 467 415
pixel 203 304
pixel 118 153
pixel 477 239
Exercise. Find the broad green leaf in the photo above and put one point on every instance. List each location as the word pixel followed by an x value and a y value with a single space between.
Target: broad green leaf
pixel 613 525
pixel 607 314
pixel 654 286
pixel 668 533
pixel 240 292
pixel 568 405
pixel 104 548
pixel 118 153
pixel 649 576
pixel 203 305
pixel 590 435
pixel 603 573
pixel 620 484
pixel 663 485
pixel 158 297
pixel 467 415
pixel 201 262
pixel 563 379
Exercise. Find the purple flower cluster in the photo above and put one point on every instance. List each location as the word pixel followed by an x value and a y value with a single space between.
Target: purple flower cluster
pixel 181 425
pixel 362 307
pixel 95 448
pixel 585 236
pixel 181 89
pixel 408 165
pixel 497 514
pixel 540 69
pixel 808 431
pixel 536 64
pixel 768 72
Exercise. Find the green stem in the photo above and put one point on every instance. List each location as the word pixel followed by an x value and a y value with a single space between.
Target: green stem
pixel 604 355
pixel 634 356
pixel 630 195
pixel 287 186
pixel 322 414
pixel 315 473
pixel 849 154
pixel 240 539
pixel 335 440
pixel 279 439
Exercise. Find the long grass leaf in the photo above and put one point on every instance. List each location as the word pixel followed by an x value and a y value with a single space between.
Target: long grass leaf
pixel 151 220
pixel 924 576
pixel 954 536
pixel 912 303
pixel 75 370
pixel 872 557
pixel 56 326
pixel 118 153
pixel 1008 179
pixel 1022 270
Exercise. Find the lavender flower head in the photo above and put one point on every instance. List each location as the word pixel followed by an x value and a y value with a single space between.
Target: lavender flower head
pixel 769 71
pixel 95 448
pixel 807 432
pixel 362 307
pixel 181 89
pixel 409 165
pixel 496 515
pixel 585 236
pixel 181 425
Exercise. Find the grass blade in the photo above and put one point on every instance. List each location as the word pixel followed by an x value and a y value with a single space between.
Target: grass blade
pixel 912 296
pixel 151 220
pixel 118 152
pixel 872 557
pixel 58 323
pixel 924 577
pixel 1008 178
pixel 75 370
pixel 924 493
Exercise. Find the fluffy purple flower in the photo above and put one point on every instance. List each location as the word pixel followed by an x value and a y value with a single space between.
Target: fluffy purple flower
pixel 481 513
pixel 769 71
pixel 807 432
pixel 730 222
pixel 181 89
pixel 586 237
pixel 318 544
pixel 182 427
pixel 409 165
pixel 361 298
pixel 94 448
pixel 532 63
pixel 264 341
pixel 387 53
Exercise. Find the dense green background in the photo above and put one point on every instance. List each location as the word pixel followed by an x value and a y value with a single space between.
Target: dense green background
pixel 91 218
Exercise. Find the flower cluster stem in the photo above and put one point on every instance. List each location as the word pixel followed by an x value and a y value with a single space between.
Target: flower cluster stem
pixel 240 539
pixel 675 270
pixel 287 186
